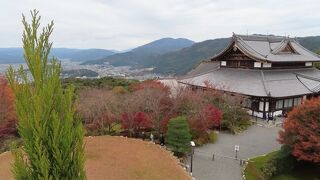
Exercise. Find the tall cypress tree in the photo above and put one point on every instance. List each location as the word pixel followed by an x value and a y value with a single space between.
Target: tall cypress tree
pixel 52 137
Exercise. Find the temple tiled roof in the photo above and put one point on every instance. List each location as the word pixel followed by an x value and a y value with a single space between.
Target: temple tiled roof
pixel 262 83
pixel 271 48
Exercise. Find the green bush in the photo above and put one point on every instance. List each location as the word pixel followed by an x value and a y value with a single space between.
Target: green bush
pixel 178 136
pixel 213 137
pixel 235 119
pixel 281 162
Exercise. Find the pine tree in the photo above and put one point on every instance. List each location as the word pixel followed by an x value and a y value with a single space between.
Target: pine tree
pixel 178 136
pixel 52 138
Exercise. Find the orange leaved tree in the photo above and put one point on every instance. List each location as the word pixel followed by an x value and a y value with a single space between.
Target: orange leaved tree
pixel 301 131
pixel 8 118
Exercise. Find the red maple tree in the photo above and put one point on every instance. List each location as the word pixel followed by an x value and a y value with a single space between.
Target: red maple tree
pixel 212 115
pixel 103 123
pixel 301 131
pixel 134 122
pixel 208 118
pixel 8 118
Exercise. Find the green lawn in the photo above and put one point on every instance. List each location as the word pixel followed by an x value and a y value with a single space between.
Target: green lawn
pixel 253 170
pixel 302 172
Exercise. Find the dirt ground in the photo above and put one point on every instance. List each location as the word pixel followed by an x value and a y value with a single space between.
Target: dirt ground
pixel 119 158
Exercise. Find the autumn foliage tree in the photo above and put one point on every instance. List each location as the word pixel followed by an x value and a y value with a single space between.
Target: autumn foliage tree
pixel 99 109
pixel 103 124
pixel 301 131
pixel 154 99
pixel 208 118
pixel 8 118
pixel 135 122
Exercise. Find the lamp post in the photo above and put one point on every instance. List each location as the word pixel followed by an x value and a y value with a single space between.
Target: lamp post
pixel 236 148
pixel 192 152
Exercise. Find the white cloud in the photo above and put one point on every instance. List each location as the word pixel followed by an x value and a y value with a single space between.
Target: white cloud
pixel 122 24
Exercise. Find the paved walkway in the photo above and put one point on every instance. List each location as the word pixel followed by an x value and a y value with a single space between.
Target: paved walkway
pixel 255 141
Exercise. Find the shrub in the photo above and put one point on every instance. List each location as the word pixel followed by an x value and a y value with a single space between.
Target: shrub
pixel 213 137
pixel 201 141
pixel 178 136
pixel 234 118
pixel 282 162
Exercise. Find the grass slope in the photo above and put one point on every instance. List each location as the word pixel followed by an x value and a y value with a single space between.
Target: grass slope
pixel 118 158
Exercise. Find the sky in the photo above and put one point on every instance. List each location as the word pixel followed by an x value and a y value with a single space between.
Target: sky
pixel 125 24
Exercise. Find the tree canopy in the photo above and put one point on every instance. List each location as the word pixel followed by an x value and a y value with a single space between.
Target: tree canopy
pixel 301 131
pixel 178 136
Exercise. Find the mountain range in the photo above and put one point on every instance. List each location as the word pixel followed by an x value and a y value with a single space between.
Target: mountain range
pixel 15 55
pixel 144 56
pixel 166 56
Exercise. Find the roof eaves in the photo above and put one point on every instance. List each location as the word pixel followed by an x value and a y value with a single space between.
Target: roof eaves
pixel 225 50
pixel 314 54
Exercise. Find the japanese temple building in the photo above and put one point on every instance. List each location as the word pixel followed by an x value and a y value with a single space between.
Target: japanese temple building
pixel 271 74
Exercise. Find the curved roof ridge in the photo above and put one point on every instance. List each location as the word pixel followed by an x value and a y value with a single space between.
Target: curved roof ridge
pixel 297 43
pixel 266 89
pixel 284 43
pixel 279 47
pixel 307 77
pixel 248 48
pixel 303 84
pixel 225 49
pixel 257 37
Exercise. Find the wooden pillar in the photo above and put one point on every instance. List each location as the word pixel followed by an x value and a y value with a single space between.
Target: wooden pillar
pixel 264 108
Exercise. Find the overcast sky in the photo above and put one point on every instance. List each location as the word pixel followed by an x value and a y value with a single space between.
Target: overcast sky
pixel 123 24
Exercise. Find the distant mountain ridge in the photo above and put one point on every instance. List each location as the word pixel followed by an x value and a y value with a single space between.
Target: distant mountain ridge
pixel 15 55
pixel 167 55
pixel 141 55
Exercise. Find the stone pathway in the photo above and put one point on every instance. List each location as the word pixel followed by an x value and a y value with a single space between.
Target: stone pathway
pixel 255 141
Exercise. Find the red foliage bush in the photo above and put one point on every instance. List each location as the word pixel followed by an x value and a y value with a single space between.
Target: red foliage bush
pixel 301 131
pixel 8 118
pixel 212 115
pixel 209 117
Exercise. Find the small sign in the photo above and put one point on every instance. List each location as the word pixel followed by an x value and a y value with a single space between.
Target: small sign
pixel 236 147
pixel 192 143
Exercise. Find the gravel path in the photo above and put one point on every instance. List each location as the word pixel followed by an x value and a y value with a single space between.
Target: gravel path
pixel 255 141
